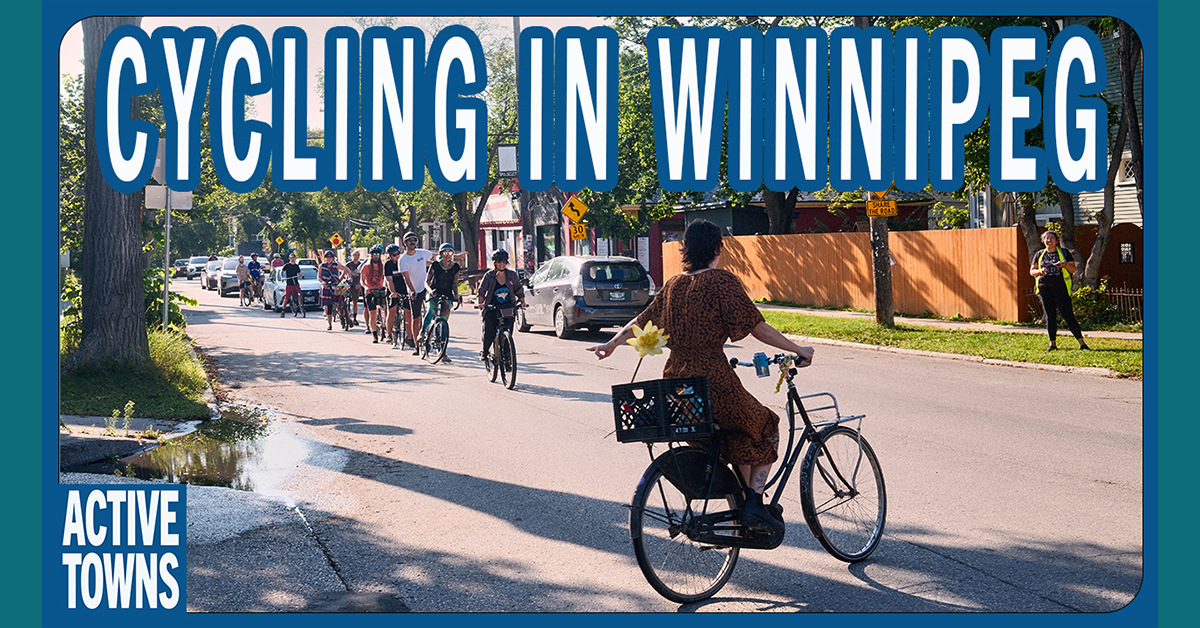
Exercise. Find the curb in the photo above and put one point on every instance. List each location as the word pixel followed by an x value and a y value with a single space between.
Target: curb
pixel 1094 371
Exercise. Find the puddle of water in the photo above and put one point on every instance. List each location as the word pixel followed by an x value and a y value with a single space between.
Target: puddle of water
pixel 242 450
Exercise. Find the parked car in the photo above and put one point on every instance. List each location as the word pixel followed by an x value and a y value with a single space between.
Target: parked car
pixel 227 281
pixel 195 266
pixel 573 292
pixel 275 284
pixel 209 273
pixel 307 261
pixel 180 268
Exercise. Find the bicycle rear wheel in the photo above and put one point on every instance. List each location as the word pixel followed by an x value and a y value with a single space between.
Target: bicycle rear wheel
pixel 842 494
pixel 492 363
pixel 508 359
pixel 680 569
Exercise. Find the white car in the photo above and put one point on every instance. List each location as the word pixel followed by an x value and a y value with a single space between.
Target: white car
pixel 273 288
pixel 196 265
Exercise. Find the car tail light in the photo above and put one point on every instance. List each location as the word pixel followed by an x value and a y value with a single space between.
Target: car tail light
pixel 577 286
pixel 653 288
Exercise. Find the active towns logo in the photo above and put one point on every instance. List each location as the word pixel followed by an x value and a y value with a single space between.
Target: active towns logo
pixel 122 547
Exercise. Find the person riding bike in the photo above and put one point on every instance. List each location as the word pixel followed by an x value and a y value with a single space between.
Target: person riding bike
pixel 396 288
pixel 291 276
pixel 355 266
pixel 414 264
pixel 443 282
pixel 256 274
pixel 276 261
pixel 498 295
pixel 375 297
pixel 330 274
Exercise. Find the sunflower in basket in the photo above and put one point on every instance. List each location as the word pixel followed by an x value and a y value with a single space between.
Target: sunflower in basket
pixel 648 340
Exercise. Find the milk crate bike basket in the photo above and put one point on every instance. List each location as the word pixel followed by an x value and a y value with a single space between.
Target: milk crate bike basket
pixel 663 410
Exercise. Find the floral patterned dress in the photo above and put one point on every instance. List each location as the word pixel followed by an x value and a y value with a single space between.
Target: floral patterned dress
pixel 700 312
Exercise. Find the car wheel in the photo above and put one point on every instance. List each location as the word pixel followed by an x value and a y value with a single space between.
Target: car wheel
pixel 522 324
pixel 560 323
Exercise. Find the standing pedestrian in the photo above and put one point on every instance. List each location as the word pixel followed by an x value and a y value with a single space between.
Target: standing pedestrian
pixel 1053 287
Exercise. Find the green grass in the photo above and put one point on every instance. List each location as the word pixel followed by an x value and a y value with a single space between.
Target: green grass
pixel 1086 326
pixel 1121 356
pixel 172 387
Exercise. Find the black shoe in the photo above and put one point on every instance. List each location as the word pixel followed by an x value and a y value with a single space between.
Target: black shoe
pixel 1051 348
pixel 757 517
pixel 1083 347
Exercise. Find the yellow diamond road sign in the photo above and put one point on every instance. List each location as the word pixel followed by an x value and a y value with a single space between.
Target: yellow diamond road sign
pixel 336 240
pixel 575 209
pixel 279 240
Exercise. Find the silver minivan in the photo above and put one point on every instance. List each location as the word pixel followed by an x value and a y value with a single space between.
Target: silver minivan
pixel 585 292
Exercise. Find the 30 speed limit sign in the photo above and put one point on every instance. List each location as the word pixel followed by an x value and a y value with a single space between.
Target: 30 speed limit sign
pixel 578 232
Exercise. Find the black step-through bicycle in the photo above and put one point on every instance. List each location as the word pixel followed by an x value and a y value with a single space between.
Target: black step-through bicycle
pixel 684 516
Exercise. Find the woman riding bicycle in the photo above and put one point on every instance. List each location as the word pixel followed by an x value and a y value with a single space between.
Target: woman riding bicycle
pixel 700 309
pixel 443 281
pixel 371 276
pixel 330 274
pixel 495 297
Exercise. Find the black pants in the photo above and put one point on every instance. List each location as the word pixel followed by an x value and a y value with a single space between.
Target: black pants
pixel 1055 301
pixel 491 324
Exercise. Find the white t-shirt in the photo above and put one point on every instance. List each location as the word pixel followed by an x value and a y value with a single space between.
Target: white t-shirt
pixel 416 266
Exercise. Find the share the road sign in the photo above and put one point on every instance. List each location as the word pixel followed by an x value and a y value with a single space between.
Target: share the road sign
pixel 336 240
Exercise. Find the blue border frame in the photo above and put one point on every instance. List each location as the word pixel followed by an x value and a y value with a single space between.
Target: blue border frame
pixel 1171 48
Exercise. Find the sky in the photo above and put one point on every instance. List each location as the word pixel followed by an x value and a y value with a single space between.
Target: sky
pixel 71 49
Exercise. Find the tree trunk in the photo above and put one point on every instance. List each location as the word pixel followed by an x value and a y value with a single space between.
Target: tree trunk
pixel 113 317
pixel 1090 273
pixel 1130 56
pixel 1027 219
pixel 781 210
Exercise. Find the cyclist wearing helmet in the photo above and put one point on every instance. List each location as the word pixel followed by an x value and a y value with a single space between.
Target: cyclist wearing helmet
pixel 414 265
pixel 396 288
pixel 354 265
pixel 277 261
pixel 373 282
pixel 495 297
pixel 330 274
pixel 256 274
pixel 443 281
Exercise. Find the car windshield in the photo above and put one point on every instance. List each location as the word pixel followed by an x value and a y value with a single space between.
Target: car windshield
pixel 198 260
pixel 308 272
pixel 230 263
pixel 611 273
pixel 213 265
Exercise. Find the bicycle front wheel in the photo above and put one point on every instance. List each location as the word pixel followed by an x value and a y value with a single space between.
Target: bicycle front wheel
pixel 508 360
pixel 680 569
pixel 842 494
pixel 439 339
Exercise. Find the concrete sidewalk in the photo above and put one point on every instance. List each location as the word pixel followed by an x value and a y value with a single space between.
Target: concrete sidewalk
pixel 942 324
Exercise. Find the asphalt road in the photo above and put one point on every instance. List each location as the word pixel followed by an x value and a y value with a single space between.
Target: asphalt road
pixel 427 487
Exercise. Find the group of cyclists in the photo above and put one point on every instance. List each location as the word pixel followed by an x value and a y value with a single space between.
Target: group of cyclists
pixel 394 285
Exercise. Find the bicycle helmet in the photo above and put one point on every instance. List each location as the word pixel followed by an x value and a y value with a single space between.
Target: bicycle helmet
pixel 376 250
pixel 276 256
pixel 500 256
pixel 393 248
pixel 446 247
pixel 410 236
pixel 329 253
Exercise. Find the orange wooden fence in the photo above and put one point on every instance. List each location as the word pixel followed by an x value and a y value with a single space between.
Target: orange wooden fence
pixel 975 273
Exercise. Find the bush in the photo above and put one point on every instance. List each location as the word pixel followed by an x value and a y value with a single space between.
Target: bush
pixel 1093 308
